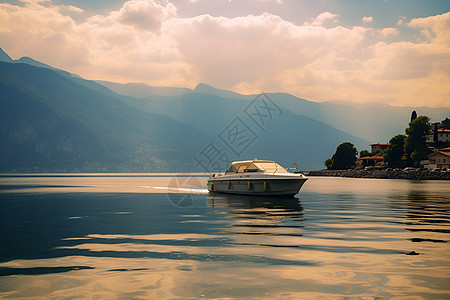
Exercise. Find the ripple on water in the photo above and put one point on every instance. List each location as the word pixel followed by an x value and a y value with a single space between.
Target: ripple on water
pixel 340 238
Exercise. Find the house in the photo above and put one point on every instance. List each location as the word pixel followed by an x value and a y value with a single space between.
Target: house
pixel 375 148
pixel 438 159
pixel 442 135
pixel 370 161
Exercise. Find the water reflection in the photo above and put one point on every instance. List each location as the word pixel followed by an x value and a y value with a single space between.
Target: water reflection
pixel 266 216
pixel 424 212
pixel 428 217
pixel 349 239
pixel 246 201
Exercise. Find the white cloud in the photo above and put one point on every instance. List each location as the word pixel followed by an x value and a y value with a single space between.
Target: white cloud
pixel 254 49
pixel 325 17
pixel 145 41
pixel 401 20
pixel 70 8
pixel 389 31
pixel 34 1
pixel 145 14
pixel 277 1
pixel 435 28
pixel 367 19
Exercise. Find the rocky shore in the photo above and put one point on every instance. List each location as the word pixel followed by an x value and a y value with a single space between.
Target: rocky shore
pixel 416 174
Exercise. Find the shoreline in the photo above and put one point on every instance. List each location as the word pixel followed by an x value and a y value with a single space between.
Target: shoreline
pixel 418 174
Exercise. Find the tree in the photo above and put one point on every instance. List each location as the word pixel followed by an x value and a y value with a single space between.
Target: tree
pixel 394 152
pixel 328 163
pixel 413 115
pixel 445 123
pixel 343 158
pixel 415 146
pixel 365 153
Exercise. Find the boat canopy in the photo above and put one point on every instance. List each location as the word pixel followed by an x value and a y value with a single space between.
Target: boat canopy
pixel 255 165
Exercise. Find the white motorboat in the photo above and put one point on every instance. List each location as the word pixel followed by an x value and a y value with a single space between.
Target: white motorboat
pixel 257 177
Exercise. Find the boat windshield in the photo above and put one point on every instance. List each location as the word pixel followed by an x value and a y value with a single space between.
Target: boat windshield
pixel 268 167
pixel 265 166
pixel 232 169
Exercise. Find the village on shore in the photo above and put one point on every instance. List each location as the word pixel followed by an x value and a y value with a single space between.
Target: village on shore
pixel 423 153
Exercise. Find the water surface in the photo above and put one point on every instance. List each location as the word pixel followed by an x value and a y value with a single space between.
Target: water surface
pixel 161 236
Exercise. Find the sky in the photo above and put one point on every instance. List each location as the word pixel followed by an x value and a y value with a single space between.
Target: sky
pixel 386 51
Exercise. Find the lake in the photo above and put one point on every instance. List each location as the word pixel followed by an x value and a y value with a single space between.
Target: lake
pixel 162 236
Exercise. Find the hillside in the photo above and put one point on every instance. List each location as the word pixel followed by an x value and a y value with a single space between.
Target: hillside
pixel 369 121
pixel 286 137
pixel 50 121
pixel 53 121
pixel 137 90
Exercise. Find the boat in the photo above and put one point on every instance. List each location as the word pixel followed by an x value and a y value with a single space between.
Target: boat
pixel 257 177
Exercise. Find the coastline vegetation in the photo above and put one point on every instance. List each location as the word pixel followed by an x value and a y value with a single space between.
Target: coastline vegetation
pixel 343 158
pixel 404 150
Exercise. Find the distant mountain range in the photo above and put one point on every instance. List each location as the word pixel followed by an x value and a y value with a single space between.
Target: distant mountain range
pixel 373 122
pixel 52 120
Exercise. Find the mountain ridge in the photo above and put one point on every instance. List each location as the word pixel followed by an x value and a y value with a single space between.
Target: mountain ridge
pixel 4 56
pixel 139 90
pixel 375 122
pixel 119 131
pixel 65 122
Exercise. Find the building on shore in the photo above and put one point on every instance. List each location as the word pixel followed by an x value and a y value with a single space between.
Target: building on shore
pixel 370 161
pixel 378 147
pixel 438 135
pixel 439 159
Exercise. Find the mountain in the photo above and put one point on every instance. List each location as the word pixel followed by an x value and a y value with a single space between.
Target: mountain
pixel 138 90
pixel 370 121
pixel 50 121
pixel 5 57
pixel 202 88
pixel 373 122
pixel 285 136
pixel 32 62
pixel 29 61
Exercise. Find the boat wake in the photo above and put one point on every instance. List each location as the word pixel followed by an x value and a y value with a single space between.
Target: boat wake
pixel 178 189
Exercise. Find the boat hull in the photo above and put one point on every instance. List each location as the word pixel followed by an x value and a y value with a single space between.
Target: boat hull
pixel 260 186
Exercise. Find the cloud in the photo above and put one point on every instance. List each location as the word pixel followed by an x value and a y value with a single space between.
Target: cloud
pixel 434 28
pixel 389 31
pixel 70 8
pixel 253 50
pixel 145 41
pixel 401 20
pixel 277 1
pixel 367 19
pixel 34 1
pixel 145 14
pixel 325 17
pixel 42 32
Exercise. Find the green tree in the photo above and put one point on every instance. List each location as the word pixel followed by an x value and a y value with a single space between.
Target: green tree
pixel 394 152
pixel 413 115
pixel 415 147
pixel 344 157
pixel 365 153
pixel 328 163
pixel 445 123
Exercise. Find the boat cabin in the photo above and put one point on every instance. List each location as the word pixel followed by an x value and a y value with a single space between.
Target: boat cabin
pixel 255 165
